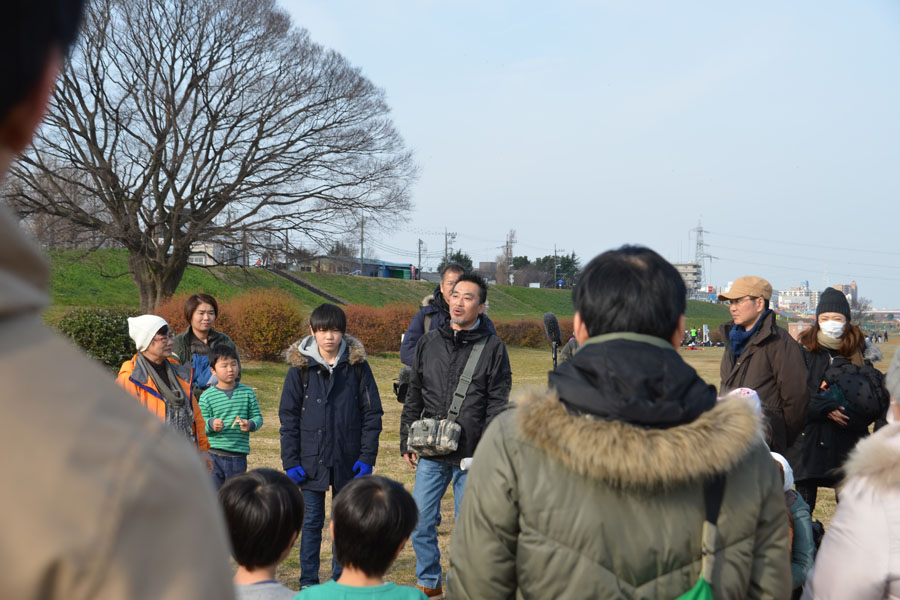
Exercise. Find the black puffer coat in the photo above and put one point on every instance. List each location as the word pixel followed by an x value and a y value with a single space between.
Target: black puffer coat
pixel 824 445
pixel 440 358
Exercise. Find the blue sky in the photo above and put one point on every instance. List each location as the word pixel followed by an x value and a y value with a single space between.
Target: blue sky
pixel 592 124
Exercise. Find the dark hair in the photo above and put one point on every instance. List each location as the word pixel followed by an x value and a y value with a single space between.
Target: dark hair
pixel 328 317
pixel 372 516
pixel 852 341
pixel 630 289
pixel 29 31
pixel 263 510
pixel 192 303
pixel 454 267
pixel 220 351
pixel 473 278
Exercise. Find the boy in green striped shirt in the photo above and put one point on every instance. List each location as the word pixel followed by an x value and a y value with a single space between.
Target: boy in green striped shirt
pixel 231 413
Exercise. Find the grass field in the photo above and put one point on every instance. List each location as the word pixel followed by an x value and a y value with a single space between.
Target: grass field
pixel 529 367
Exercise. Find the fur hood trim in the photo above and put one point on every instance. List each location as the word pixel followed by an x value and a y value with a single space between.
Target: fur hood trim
pixel 877 458
pixel 428 299
pixel 629 456
pixel 295 357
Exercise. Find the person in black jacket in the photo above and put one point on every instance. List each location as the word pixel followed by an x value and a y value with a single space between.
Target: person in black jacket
pixel 847 394
pixel 440 358
pixel 330 415
pixel 434 312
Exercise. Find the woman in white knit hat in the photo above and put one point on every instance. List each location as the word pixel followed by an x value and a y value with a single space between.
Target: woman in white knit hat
pixel 160 382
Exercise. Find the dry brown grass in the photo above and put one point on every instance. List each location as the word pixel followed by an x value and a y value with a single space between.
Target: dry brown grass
pixel 529 367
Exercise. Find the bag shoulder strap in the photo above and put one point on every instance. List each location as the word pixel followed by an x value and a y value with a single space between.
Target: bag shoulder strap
pixel 427 323
pixel 713 493
pixel 465 379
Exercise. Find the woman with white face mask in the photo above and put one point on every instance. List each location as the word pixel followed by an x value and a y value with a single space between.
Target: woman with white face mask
pixel 846 395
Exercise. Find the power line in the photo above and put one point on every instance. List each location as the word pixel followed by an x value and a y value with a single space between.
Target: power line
pixel 829 259
pixel 826 247
pixel 806 270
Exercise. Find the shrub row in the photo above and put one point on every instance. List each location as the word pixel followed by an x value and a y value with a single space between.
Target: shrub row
pixel 529 333
pixel 102 333
pixel 379 329
pixel 264 323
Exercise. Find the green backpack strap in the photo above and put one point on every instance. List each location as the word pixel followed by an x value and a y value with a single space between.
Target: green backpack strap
pixel 713 493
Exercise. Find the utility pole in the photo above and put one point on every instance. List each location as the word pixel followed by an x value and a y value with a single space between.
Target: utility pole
pixel 510 240
pixel 556 266
pixel 362 237
pixel 449 238
pixel 419 265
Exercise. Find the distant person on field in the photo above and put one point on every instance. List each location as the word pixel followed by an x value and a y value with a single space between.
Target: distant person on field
pixel 330 422
pixel 100 500
pixel 764 357
pixel 264 512
pixel 595 487
pixel 231 413
pixel 371 520
pixel 199 339
pixel 434 312
pixel 161 384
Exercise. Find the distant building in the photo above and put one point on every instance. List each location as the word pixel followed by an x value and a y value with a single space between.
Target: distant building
pixel 371 267
pixel 848 289
pixel 799 299
pixel 210 254
pixel 692 273
pixel 795 328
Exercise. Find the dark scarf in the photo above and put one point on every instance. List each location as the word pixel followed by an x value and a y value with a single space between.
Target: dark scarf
pixel 738 338
pixel 179 412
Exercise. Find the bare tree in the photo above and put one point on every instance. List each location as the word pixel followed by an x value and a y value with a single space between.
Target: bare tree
pixel 210 120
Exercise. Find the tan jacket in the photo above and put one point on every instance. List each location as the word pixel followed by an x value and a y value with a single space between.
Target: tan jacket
pixel 98 500
pixel 860 553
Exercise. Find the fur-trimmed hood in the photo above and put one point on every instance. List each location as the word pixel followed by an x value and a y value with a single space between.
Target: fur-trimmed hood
pixel 872 352
pixel 877 458
pixel 295 356
pixel 630 456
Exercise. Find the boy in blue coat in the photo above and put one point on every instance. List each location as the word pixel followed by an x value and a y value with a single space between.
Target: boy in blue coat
pixel 330 422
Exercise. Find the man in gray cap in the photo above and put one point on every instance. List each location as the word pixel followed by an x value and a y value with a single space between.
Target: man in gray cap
pixel 764 357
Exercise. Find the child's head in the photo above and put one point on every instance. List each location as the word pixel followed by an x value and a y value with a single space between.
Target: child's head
pixel 328 323
pixel 223 361
pixel 371 519
pixel 264 512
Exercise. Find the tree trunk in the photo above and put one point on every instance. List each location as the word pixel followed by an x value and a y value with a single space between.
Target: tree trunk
pixel 155 281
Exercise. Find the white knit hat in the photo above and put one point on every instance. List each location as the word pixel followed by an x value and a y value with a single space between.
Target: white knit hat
pixel 750 397
pixel 788 471
pixel 142 329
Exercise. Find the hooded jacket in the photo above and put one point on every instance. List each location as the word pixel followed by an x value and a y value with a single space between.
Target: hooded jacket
pixel 138 383
pixel 772 365
pixel 336 420
pixel 594 488
pixel 439 362
pixel 434 306
pixel 824 445
pixel 100 500
pixel 181 351
pixel 860 554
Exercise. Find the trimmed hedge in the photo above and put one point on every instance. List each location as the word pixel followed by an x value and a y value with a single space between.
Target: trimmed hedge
pixel 262 324
pixel 102 333
pixel 379 329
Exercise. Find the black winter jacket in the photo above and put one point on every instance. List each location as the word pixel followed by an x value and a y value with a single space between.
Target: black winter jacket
pixel 823 447
pixel 335 422
pixel 440 358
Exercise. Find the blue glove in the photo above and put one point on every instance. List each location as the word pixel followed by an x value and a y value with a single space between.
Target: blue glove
pixel 360 468
pixel 297 474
